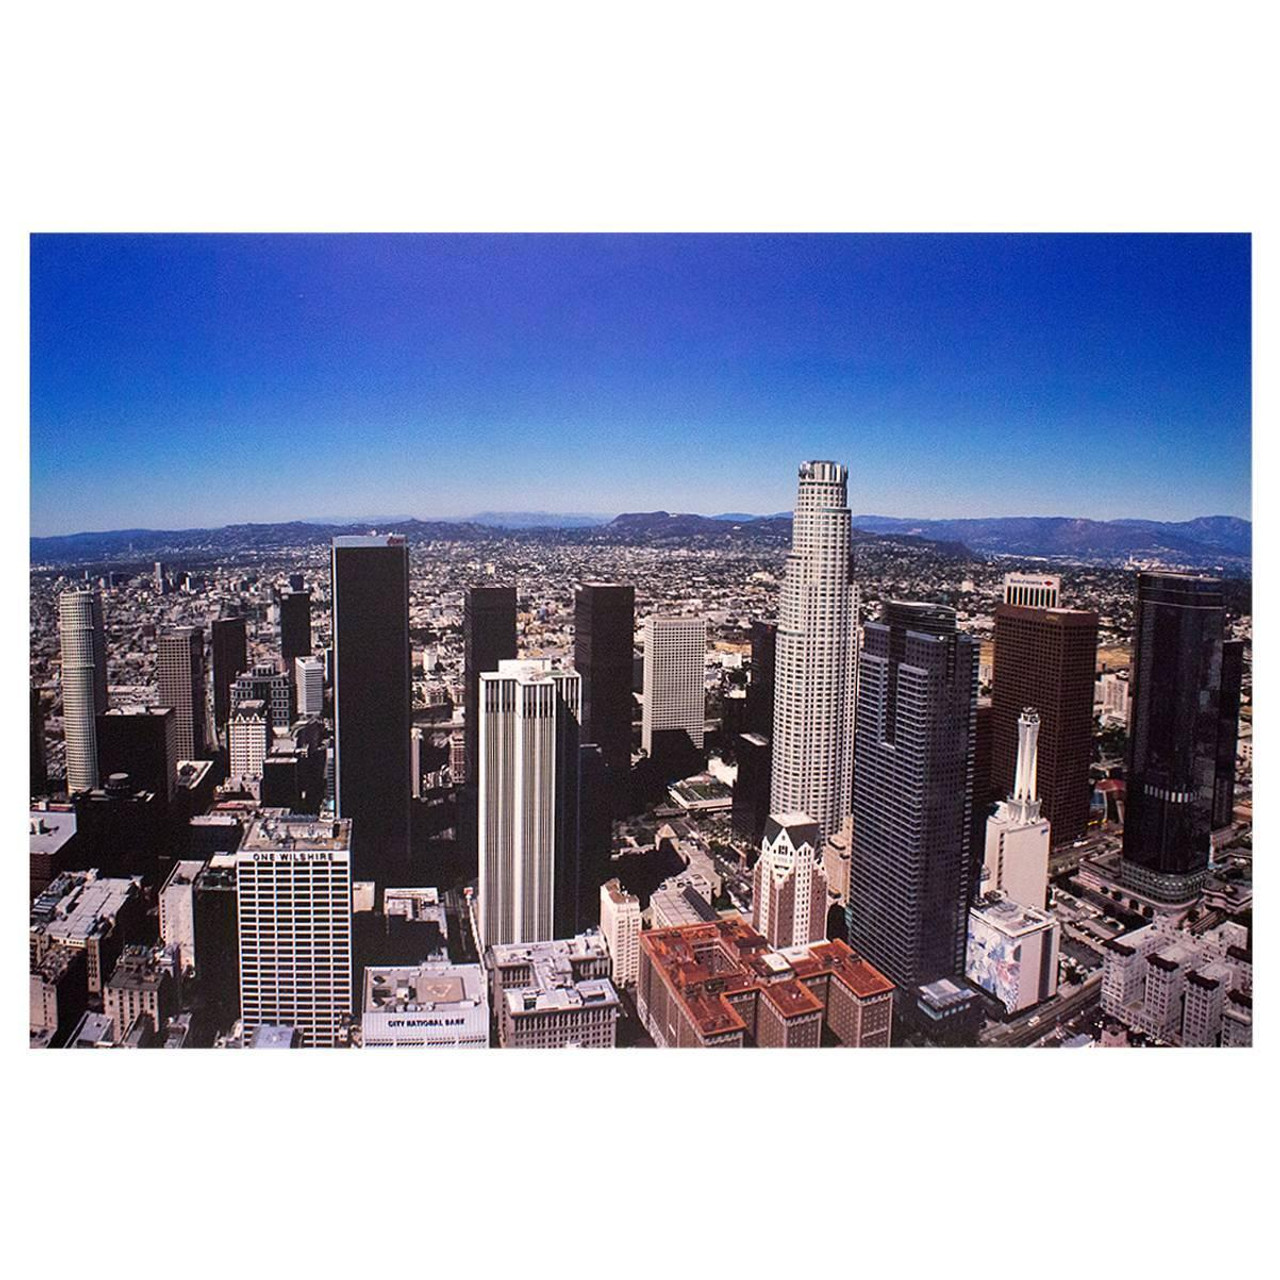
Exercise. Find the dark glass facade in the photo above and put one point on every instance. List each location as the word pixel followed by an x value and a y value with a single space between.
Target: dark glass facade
pixel 1046 659
pixel 751 789
pixel 910 868
pixel 295 627
pixel 488 637
pixel 372 699
pixel 603 648
pixel 1182 694
pixel 760 692
pixel 230 659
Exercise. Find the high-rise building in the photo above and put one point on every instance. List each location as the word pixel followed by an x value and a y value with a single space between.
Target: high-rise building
pixel 267 684
pixel 84 683
pixel 674 720
pixel 230 659
pixel 142 742
pixel 295 626
pixel 1034 590
pixel 751 787
pixel 620 925
pixel 372 701
pixel 528 812
pixel 293 887
pixel 1045 657
pixel 910 867
pixel 762 691
pixel 817 645
pixel 249 741
pixel 39 758
pixel 180 680
pixel 1180 707
pixel 488 638
pixel 1016 856
pixel 789 904
pixel 1224 783
pixel 603 648
pixel 308 678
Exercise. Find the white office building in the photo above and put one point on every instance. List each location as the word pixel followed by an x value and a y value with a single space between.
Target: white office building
pixel 817 650
pixel 1016 857
pixel 309 678
pixel 293 889
pixel 789 901
pixel 675 674
pixel 620 925
pixel 84 683
pixel 1032 590
pixel 527 787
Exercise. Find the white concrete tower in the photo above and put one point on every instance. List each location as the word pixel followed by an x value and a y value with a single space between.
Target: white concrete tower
pixel 1016 857
pixel 817 656
pixel 84 683
pixel 675 673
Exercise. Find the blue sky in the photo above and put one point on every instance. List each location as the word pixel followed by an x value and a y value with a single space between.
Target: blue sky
pixel 179 381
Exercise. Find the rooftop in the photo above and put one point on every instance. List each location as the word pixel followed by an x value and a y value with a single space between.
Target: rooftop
pixel 426 987
pixel 290 831
pixel 50 830
pixel 77 907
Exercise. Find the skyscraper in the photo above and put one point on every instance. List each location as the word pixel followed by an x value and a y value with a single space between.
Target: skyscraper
pixel 789 904
pixel 603 647
pixel 295 626
pixel 230 658
pixel 308 676
pixel 675 698
pixel 910 868
pixel 488 638
pixel 293 887
pixel 39 758
pixel 180 681
pixel 372 700
pixel 528 802
pixel 762 690
pixel 142 742
pixel 1179 703
pixel 1044 657
pixel 817 647
pixel 84 683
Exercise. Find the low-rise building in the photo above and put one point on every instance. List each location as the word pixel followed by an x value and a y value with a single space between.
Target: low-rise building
pixel 142 985
pixel 91 913
pixel 177 911
pixel 59 993
pixel 1012 951
pixel 682 899
pixel 719 985
pixel 428 1006
pixel 1176 986
pixel 554 995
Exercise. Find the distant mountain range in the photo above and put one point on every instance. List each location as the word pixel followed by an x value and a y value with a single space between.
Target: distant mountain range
pixel 1208 541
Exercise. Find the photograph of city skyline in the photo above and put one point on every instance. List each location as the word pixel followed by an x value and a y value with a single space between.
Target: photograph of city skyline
pixel 641 640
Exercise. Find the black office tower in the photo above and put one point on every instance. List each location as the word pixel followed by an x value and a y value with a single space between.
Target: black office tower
pixel 1224 785
pixel 39 758
pixel 230 658
pixel 604 623
pixel 142 742
pixel 372 699
pixel 488 637
pixel 295 627
pixel 1183 691
pixel 910 867
pixel 751 790
pixel 764 651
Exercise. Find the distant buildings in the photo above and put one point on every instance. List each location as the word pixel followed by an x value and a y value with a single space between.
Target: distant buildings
pixel 620 927
pixel 1044 658
pixel 1183 713
pixel 789 903
pixel 293 889
pixel 372 700
pixel 720 985
pixel 911 872
pixel 1181 988
pixel 554 995
pixel 673 723
pixel 817 644
pixel 528 812
pixel 426 1006
pixel 180 683
pixel 84 683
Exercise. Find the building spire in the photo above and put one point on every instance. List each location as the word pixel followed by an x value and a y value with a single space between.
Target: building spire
pixel 1024 781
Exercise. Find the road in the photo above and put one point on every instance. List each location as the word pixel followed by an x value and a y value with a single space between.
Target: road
pixel 1047 1016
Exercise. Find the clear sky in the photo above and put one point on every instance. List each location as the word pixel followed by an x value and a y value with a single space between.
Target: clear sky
pixel 180 381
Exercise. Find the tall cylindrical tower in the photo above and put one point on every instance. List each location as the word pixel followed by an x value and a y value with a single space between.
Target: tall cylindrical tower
pixel 84 683
pixel 816 659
